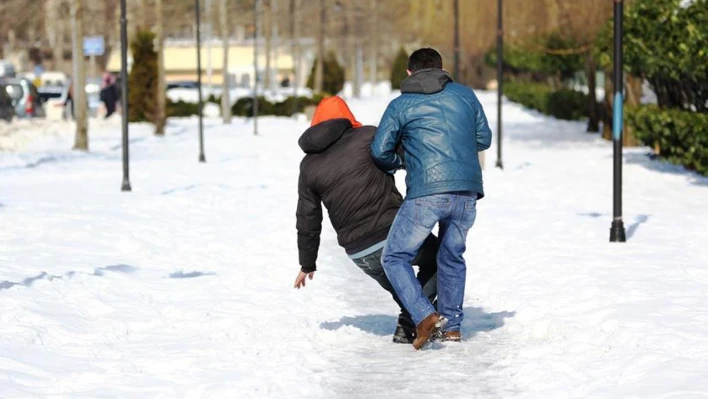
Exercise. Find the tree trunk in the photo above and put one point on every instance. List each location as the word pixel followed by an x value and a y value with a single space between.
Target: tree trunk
pixel 295 46
pixel 79 79
pixel 161 117
pixel 268 48
pixel 373 61
pixel 209 36
pixel 593 112
pixel 319 75
pixel 225 98
pixel 275 45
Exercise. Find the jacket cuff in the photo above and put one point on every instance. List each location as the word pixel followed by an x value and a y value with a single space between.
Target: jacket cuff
pixel 308 269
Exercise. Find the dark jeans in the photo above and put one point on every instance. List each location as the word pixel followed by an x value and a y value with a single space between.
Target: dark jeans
pixel 426 260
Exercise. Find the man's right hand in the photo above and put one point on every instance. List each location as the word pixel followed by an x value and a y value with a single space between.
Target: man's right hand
pixel 301 278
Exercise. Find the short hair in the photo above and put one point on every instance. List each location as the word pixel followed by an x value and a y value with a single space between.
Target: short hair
pixel 424 58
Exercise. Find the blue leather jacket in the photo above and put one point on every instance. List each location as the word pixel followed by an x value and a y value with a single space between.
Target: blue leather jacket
pixel 441 126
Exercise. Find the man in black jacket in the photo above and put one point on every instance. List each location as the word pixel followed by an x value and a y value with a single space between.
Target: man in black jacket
pixel 361 199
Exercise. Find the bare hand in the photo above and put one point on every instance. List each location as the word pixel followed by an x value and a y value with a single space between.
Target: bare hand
pixel 301 278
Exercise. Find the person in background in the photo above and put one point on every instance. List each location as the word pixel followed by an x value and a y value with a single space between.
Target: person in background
pixel 108 93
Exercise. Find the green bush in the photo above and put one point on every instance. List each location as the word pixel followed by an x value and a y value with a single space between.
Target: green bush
pixel 333 75
pixel 665 43
pixel 680 137
pixel 399 70
pixel 563 104
pixel 142 81
pixel 568 104
pixel 244 106
pixel 181 108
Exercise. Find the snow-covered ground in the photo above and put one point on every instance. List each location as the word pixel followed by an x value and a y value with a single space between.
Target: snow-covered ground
pixel 183 287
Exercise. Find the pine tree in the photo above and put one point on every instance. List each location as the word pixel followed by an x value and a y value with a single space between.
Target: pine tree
pixel 142 81
pixel 399 70
pixel 333 79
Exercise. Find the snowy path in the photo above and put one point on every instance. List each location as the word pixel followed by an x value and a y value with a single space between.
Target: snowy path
pixel 182 288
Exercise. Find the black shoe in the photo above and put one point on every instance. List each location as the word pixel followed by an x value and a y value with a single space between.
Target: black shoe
pixel 405 331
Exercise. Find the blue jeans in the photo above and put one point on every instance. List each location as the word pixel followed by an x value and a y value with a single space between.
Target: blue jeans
pixel 417 217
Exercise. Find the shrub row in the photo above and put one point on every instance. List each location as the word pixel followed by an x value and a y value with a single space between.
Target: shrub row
pixel 563 103
pixel 678 136
pixel 244 106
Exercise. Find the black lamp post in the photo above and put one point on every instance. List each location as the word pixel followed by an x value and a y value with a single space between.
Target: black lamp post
pixel 124 93
pixel 200 107
pixel 500 80
pixel 617 233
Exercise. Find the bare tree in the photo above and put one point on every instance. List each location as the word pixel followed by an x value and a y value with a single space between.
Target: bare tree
pixel 79 79
pixel 319 73
pixel 161 117
pixel 225 100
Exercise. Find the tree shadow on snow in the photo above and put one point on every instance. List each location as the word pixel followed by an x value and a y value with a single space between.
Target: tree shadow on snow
pixel 476 320
pixel 99 271
pixel 651 162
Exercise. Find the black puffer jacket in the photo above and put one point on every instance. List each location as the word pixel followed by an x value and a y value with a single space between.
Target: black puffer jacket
pixel 338 171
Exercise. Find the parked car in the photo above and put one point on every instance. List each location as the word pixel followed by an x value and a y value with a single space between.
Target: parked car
pixel 53 84
pixel 55 104
pixel 7 110
pixel 25 98
pixel 182 84
pixel 7 69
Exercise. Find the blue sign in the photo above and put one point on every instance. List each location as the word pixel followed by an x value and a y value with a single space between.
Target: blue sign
pixel 94 45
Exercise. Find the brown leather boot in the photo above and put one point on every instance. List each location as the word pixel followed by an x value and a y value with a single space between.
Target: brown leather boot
pixel 427 329
pixel 451 336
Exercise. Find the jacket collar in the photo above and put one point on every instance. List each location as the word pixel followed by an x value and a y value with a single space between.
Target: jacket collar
pixel 318 138
pixel 426 81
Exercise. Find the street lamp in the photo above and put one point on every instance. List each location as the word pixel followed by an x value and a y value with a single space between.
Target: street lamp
pixel 200 107
pixel 500 80
pixel 617 233
pixel 124 93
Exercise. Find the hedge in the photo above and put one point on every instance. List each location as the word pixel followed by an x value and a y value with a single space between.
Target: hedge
pixel 678 136
pixel 563 103
pixel 244 106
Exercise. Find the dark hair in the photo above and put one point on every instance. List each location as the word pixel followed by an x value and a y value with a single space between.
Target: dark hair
pixel 424 58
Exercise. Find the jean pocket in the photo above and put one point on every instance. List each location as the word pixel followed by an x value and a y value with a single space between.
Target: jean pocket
pixel 469 215
pixel 470 204
pixel 437 203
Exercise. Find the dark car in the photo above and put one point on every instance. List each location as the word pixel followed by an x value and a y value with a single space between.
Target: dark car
pixel 182 84
pixel 7 109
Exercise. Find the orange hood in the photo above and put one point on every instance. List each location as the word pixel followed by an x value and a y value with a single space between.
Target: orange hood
pixel 333 108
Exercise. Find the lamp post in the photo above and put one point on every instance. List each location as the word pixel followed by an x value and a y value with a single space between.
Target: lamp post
pixel 617 233
pixel 500 80
pixel 200 107
pixel 124 93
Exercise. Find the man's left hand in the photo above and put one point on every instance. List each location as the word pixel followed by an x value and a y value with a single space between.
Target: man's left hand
pixel 301 278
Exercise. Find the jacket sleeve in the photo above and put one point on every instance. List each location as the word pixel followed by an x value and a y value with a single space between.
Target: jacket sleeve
pixel 484 133
pixel 386 141
pixel 309 225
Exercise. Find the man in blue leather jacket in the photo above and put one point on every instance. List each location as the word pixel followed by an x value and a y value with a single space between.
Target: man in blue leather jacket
pixel 441 127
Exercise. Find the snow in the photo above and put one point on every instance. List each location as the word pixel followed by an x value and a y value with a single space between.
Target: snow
pixel 183 287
